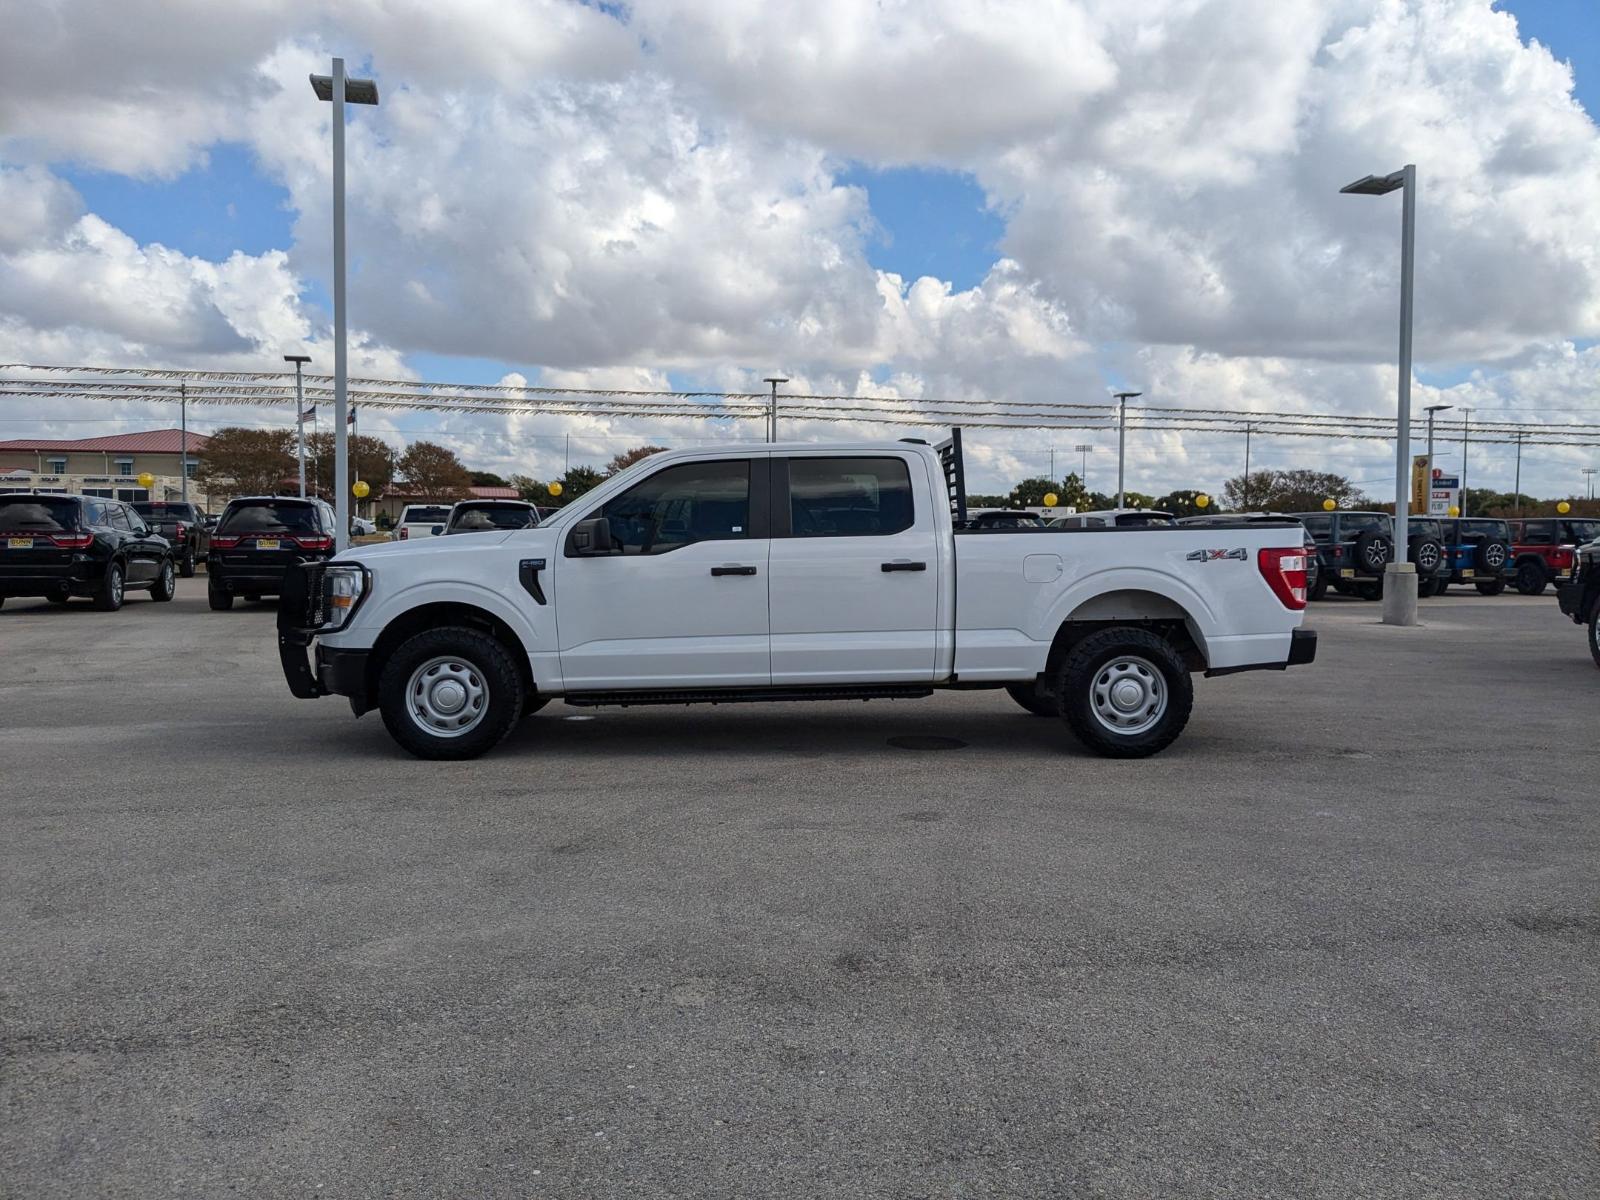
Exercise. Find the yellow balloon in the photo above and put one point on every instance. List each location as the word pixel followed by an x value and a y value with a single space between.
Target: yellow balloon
pixel 360 489
pixel 554 489
pixel 1455 510
pixel 1051 499
pixel 146 479
pixel 1563 508
pixel 1202 501
pixel 1329 505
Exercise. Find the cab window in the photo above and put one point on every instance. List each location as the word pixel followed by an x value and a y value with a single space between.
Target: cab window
pixel 849 497
pixel 694 502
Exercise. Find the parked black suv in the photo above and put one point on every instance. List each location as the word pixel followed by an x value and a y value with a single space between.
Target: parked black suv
pixel 258 538
pixel 487 516
pixel 1580 599
pixel 58 546
pixel 184 525
pixel 1353 548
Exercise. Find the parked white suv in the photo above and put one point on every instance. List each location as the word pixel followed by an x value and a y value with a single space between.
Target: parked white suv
pixel 793 573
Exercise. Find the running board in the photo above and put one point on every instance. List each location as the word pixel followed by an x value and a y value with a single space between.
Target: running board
pixel 881 691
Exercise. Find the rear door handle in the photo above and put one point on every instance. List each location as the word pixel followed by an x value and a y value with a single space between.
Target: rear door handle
pixel 733 570
pixel 901 564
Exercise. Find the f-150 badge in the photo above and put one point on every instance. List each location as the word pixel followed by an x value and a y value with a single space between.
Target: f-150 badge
pixel 1216 555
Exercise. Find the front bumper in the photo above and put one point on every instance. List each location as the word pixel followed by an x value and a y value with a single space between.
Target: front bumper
pixel 301 612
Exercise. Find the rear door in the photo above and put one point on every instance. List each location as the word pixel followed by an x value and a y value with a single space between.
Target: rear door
pixel 855 570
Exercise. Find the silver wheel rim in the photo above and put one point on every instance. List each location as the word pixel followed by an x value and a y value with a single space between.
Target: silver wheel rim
pixel 1129 695
pixel 1496 557
pixel 166 578
pixel 116 585
pixel 1428 558
pixel 447 697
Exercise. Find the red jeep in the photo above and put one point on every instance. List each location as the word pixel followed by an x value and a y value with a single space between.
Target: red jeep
pixel 1543 550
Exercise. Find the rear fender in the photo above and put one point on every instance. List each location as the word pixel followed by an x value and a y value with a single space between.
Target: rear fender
pixel 1133 594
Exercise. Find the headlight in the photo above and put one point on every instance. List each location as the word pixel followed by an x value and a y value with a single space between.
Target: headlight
pixel 345 585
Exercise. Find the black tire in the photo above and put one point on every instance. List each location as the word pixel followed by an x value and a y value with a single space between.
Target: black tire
pixel 1370 591
pixel 1594 635
pixel 166 583
pixel 473 659
pixel 220 601
pixel 1531 579
pixel 1427 586
pixel 1440 585
pixel 1492 556
pixel 1318 588
pixel 1035 698
pixel 1083 672
pixel 108 596
pixel 186 567
pixel 1491 587
pixel 1373 552
pixel 1427 555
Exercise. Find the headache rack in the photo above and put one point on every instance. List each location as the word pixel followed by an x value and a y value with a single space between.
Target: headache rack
pixel 955 475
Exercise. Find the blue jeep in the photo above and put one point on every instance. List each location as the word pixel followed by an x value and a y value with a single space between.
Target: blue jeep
pixel 1477 550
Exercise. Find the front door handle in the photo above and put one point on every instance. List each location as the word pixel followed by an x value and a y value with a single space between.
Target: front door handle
pixel 733 570
pixel 901 564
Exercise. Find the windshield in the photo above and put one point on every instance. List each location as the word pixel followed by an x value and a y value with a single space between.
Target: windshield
pixel 268 516
pixel 425 514
pixel 41 514
pixel 477 518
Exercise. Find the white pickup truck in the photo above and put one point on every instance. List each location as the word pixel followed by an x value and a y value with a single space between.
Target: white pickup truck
pixel 792 572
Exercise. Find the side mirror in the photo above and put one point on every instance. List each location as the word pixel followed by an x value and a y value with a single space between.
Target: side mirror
pixel 592 538
pixel 437 530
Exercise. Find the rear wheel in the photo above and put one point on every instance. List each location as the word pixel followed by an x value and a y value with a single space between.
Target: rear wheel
pixel 450 693
pixel 165 584
pixel 219 599
pixel 1125 693
pixel 108 596
pixel 1035 698
pixel 1594 635
pixel 1370 591
pixel 1427 585
pixel 186 567
pixel 1530 578
pixel 1440 583
pixel 1491 587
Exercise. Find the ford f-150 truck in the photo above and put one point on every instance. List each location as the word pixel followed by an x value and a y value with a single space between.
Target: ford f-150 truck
pixel 797 572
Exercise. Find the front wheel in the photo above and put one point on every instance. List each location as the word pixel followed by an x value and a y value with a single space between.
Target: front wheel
pixel 1125 693
pixel 186 567
pixel 1594 635
pixel 450 692
pixel 1035 698
pixel 1491 588
pixel 165 585
pixel 1530 579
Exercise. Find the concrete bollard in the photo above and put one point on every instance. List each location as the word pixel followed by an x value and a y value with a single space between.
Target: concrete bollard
pixel 1400 594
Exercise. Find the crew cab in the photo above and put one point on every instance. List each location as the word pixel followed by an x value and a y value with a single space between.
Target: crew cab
pixel 183 525
pixel 1544 550
pixel 261 537
pixel 420 521
pixel 798 572
pixel 1477 550
pixel 1580 597
pixel 59 545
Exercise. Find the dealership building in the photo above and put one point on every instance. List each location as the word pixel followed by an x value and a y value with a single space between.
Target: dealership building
pixel 105 466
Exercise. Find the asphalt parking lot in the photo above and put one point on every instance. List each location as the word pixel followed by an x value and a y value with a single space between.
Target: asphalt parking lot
pixel 1341 940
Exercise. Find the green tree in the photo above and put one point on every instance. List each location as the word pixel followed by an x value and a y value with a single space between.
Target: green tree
pixel 242 462
pixel 574 483
pixel 487 479
pixel 1291 491
pixel 628 457
pixel 371 459
pixel 433 472
pixel 1181 503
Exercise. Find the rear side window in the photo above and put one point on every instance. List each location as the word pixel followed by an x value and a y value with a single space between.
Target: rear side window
pixel 1493 529
pixel 695 502
pixel 425 514
pixel 1582 531
pixel 1428 529
pixel 119 518
pixel 269 517
pixel 1320 528
pixel 37 514
pixel 1355 524
pixel 849 497
pixel 1538 533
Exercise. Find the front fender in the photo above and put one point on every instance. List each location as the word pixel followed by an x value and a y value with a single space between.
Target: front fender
pixel 536 631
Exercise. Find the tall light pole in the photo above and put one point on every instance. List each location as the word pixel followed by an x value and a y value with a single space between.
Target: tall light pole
pixel 1083 475
pixel 772 406
pixel 1588 474
pixel 1432 408
pixel 299 361
pixel 183 435
pixel 1466 436
pixel 337 89
pixel 1122 437
pixel 1516 488
pixel 1248 429
pixel 1400 578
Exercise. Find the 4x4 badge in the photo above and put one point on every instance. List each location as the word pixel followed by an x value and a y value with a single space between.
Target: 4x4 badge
pixel 1216 555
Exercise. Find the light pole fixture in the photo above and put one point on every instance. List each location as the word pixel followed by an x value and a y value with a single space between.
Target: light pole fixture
pixel 1428 485
pixel 299 361
pixel 337 89
pixel 1122 399
pixel 772 406
pixel 1083 474
pixel 1400 585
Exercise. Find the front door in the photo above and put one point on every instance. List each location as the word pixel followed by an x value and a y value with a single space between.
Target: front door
pixel 682 602
pixel 855 571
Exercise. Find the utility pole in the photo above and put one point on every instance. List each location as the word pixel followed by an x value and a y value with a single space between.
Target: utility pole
pixel 1516 488
pixel 772 406
pixel 1248 428
pixel 1466 436
pixel 183 433
pixel 1588 474
pixel 299 361
pixel 1122 399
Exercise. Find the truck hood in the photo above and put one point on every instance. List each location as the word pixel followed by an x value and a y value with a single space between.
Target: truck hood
pixel 534 541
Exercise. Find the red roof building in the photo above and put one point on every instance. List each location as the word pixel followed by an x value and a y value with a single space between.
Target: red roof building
pixel 153 441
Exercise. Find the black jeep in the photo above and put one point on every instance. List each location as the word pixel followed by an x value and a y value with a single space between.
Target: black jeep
pixel 1580 598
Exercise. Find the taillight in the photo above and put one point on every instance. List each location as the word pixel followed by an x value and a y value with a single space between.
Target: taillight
pixel 1338 551
pixel 1284 569
pixel 404 533
pixel 1562 556
pixel 320 541
pixel 225 541
pixel 182 529
pixel 72 541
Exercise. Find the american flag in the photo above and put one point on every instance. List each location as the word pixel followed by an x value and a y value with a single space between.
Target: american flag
pixel 310 414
